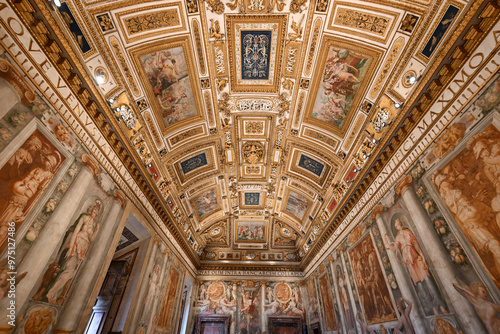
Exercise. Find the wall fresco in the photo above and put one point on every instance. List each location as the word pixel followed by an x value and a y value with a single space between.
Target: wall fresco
pixel 438 227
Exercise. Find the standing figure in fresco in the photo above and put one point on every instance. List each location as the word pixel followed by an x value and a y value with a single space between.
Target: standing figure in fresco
pixel 154 285
pixel 415 263
pixel 404 319
pixel 381 302
pixel 489 154
pixel 250 312
pixel 344 299
pixel 486 310
pixel 75 247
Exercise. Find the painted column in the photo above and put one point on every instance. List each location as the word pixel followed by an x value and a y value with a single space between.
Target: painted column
pixel 143 288
pixel 337 296
pixel 262 309
pixel 35 261
pixel 19 90
pixel 85 282
pixel 438 256
pixel 416 316
pixel 349 292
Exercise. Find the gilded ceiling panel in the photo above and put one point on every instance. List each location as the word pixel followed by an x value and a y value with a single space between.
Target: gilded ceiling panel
pixel 168 75
pixel 255 50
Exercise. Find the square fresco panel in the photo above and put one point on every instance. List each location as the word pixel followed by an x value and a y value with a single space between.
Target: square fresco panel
pixel 168 76
pixel 193 163
pixel 256 53
pixel 341 78
pixel 297 205
pixel 440 30
pixel 206 203
pixel 311 165
pixel 251 231
pixel 252 198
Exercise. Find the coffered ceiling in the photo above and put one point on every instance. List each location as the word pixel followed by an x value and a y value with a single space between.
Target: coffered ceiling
pixel 254 120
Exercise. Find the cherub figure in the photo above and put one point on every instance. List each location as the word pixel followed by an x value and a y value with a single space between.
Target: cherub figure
pixel 486 310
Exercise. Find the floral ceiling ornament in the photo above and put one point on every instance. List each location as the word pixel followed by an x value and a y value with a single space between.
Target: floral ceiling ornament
pixel 216 6
pixel 296 6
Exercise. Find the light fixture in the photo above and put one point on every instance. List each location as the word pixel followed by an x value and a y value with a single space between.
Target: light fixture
pixel 349 181
pixel 398 105
pixel 111 101
pixel 100 79
pixel 412 79
pixel 355 170
pixel 57 3
pixel 374 140
pixel 149 165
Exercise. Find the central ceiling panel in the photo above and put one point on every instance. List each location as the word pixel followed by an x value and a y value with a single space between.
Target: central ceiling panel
pixel 255 52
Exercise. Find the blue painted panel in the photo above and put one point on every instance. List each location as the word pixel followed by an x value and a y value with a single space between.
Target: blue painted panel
pixel 311 165
pixel 440 30
pixel 73 27
pixel 252 198
pixel 255 54
pixel 193 163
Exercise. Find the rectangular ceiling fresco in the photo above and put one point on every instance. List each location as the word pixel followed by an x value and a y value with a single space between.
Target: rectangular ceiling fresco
pixel 167 74
pixel 343 72
pixel 297 205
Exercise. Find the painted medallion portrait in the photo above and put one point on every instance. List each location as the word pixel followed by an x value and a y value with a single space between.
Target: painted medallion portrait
pixel 168 76
pixel 24 178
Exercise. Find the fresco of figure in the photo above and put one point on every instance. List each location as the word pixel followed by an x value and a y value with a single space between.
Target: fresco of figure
pixel 476 294
pixel 469 185
pixel 344 298
pixel 71 255
pixel 414 261
pixel 23 180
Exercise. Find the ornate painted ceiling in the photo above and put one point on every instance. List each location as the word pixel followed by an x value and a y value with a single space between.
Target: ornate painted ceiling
pixel 251 125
